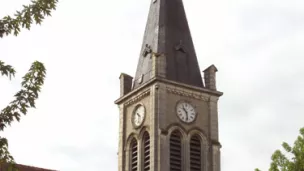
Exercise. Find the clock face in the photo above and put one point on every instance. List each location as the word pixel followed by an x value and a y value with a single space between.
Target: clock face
pixel 185 112
pixel 138 115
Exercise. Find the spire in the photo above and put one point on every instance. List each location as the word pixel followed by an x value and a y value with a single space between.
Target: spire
pixel 167 50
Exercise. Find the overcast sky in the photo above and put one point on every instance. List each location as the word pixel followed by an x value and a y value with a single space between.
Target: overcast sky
pixel 257 46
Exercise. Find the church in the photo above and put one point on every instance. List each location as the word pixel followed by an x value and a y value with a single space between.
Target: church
pixel 168 112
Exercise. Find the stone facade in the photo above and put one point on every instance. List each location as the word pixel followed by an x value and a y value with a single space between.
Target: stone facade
pixel 159 89
pixel 160 98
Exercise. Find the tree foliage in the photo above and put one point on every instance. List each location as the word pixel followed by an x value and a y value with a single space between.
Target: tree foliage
pixel 34 12
pixel 33 80
pixel 282 162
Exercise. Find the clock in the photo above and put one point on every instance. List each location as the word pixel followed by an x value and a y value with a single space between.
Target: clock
pixel 185 112
pixel 138 116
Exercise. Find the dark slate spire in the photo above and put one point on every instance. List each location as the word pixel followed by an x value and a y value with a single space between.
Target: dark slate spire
pixel 167 50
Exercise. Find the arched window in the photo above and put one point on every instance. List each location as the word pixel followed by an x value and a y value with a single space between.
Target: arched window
pixel 175 151
pixel 133 155
pixel 146 152
pixel 195 153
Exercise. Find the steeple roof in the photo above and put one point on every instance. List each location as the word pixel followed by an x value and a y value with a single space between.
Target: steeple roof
pixel 168 51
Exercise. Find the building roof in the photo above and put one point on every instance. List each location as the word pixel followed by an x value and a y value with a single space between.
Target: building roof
pixel 21 167
pixel 167 36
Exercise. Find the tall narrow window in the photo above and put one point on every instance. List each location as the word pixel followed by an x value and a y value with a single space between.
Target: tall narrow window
pixel 175 152
pixel 146 151
pixel 133 155
pixel 195 153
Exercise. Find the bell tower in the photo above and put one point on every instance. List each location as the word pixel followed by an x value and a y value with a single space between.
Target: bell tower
pixel 168 113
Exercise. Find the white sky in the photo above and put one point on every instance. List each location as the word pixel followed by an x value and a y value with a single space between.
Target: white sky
pixel 257 46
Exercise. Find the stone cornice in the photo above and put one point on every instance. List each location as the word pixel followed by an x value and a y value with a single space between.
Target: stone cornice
pixel 173 83
pixel 187 94
pixel 137 97
pixel 216 143
pixel 197 89
pixel 125 97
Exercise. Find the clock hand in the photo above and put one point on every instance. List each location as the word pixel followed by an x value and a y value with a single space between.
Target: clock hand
pixel 186 113
pixel 139 117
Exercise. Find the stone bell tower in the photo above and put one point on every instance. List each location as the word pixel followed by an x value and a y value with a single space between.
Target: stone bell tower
pixel 168 113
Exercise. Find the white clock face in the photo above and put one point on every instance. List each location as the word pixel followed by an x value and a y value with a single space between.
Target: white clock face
pixel 185 112
pixel 138 115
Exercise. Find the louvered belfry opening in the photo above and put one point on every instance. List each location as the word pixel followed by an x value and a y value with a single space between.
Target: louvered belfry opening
pixel 134 155
pixel 195 153
pixel 175 152
pixel 146 151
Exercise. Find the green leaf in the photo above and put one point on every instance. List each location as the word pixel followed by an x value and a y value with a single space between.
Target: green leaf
pixel 24 18
pixel 281 163
pixel 26 97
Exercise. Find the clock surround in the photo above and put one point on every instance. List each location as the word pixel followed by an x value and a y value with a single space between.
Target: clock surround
pixel 138 115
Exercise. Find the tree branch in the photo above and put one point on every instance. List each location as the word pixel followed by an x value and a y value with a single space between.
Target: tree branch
pixel 5 156
pixel 7 70
pixel 26 97
pixel 33 12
